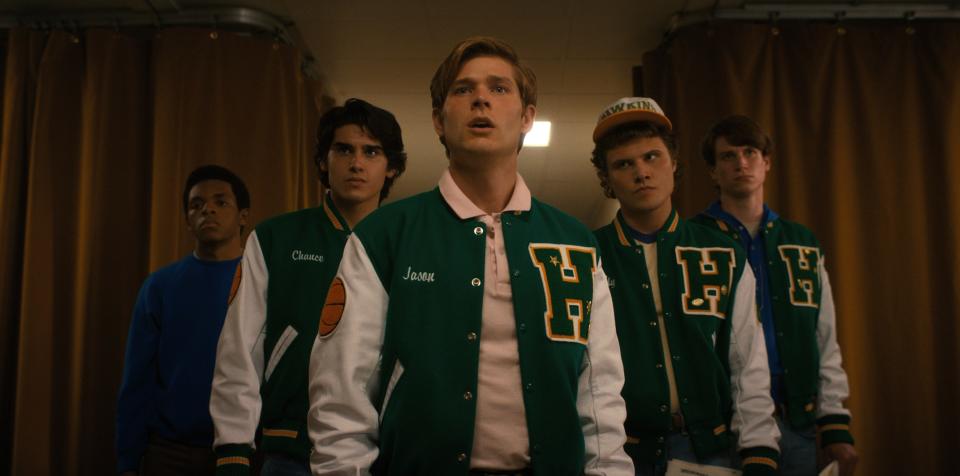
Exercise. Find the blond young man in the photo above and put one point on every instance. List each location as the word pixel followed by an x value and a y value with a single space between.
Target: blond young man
pixel 469 330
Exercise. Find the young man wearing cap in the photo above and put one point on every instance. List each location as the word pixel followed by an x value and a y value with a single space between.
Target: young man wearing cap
pixel 693 353
pixel 261 375
pixel 163 426
pixel 796 302
pixel 470 327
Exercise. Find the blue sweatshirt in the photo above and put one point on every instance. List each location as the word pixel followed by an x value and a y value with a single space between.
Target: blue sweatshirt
pixel 756 256
pixel 170 355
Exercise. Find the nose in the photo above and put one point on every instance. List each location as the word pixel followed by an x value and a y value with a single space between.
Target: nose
pixel 741 159
pixel 356 161
pixel 641 171
pixel 480 100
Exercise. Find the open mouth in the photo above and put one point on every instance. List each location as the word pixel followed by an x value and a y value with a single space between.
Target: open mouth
pixel 480 123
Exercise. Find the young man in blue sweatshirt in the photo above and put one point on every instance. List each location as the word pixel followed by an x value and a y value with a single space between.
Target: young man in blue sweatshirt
pixel 163 423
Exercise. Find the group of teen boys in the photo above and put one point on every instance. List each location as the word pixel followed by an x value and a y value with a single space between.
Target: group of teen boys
pixel 474 330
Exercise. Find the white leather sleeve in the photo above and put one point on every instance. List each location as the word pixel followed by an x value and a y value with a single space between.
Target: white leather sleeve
pixel 235 392
pixel 749 371
pixel 344 372
pixel 599 403
pixel 833 380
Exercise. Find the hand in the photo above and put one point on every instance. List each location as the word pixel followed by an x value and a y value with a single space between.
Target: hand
pixel 845 455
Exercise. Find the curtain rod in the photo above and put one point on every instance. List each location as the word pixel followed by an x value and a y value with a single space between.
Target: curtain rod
pixel 229 17
pixel 819 11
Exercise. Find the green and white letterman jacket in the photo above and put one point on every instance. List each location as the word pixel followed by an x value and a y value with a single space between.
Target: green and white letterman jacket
pixel 260 379
pixel 391 382
pixel 806 325
pixel 718 353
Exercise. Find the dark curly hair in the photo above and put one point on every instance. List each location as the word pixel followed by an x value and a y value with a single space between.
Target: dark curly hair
pixel 379 123
pixel 623 134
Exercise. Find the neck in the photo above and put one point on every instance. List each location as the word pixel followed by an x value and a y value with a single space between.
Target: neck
pixel 648 222
pixel 219 251
pixel 490 185
pixel 748 210
pixel 353 212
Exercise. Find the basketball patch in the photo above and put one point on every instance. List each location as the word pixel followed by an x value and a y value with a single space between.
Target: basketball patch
pixel 332 308
pixel 235 286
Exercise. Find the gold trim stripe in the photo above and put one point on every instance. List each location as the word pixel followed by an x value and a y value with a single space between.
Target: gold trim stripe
pixel 760 460
pixel 673 224
pixel 722 225
pixel 633 441
pixel 330 215
pixel 719 430
pixel 835 426
pixel 623 238
pixel 233 460
pixel 281 433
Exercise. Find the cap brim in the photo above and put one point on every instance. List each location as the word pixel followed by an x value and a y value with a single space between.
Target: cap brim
pixel 633 115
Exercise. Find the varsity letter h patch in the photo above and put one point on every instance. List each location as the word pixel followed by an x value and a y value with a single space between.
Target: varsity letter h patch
pixel 567 275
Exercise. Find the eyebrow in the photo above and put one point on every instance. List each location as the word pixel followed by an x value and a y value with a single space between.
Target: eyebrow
pixel 495 78
pixel 363 146
pixel 216 195
pixel 492 78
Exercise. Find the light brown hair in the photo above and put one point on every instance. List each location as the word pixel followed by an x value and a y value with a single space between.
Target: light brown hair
pixel 474 47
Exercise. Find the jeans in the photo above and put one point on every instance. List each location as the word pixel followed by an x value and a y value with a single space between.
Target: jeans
pixel 282 465
pixel 798 450
pixel 678 446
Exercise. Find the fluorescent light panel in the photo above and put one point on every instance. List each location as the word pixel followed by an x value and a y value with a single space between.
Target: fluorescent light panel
pixel 539 136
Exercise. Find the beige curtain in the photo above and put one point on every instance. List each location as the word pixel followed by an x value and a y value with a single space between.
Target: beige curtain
pixel 99 131
pixel 866 121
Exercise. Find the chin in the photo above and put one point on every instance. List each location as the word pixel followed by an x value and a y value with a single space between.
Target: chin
pixel 209 240
pixel 353 197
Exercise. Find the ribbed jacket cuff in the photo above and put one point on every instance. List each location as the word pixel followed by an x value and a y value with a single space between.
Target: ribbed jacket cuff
pixel 834 429
pixel 760 461
pixel 233 460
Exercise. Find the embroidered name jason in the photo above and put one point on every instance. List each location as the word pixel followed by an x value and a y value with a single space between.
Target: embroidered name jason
pixel 418 275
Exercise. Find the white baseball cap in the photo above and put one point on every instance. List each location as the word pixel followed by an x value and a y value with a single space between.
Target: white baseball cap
pixel 632 109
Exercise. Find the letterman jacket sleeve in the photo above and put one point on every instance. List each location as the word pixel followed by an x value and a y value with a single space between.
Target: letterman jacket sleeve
pixel 833 421
pixel 344 371
pixel 599 403
pixel 750 384
pixel 235 395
